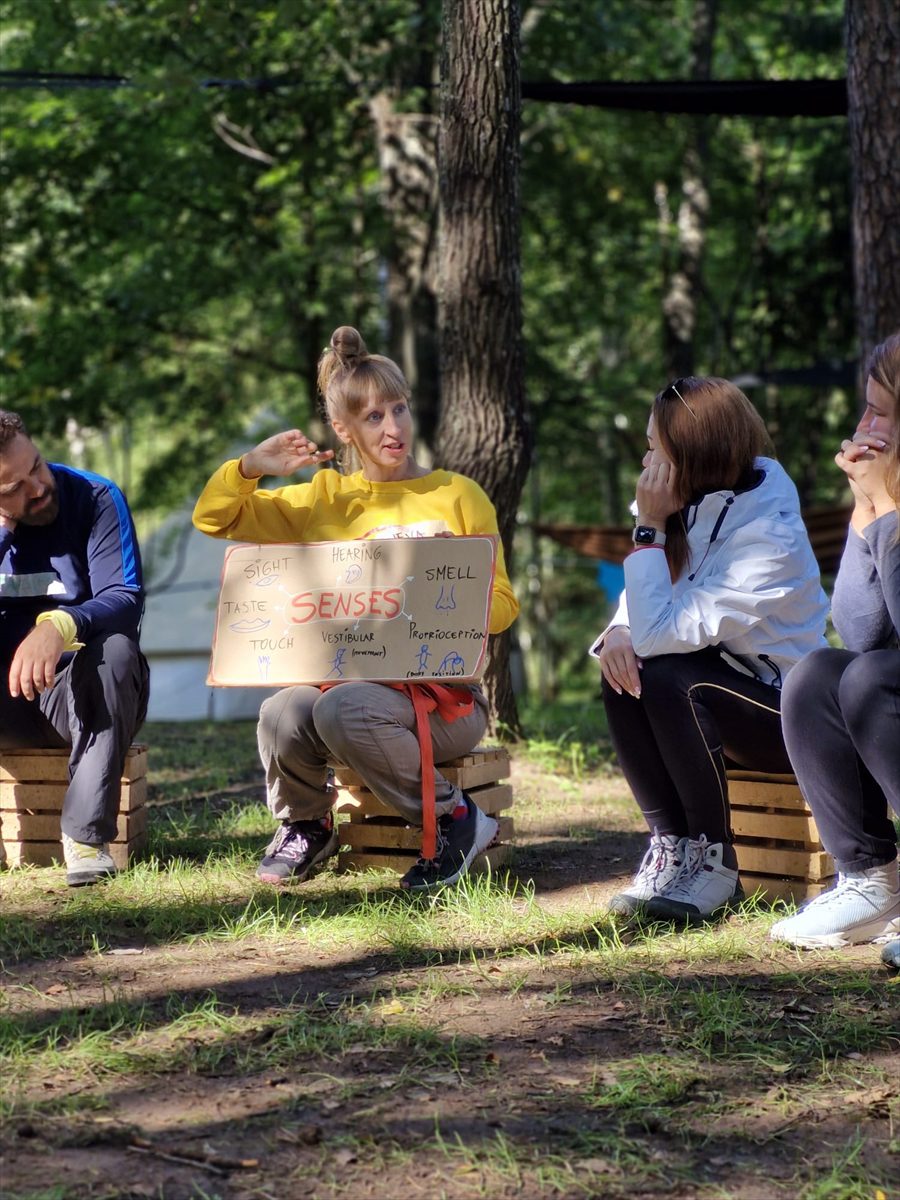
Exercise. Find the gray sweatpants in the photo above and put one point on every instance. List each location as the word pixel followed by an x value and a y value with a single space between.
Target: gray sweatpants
pixel 96 706
pixel 369 728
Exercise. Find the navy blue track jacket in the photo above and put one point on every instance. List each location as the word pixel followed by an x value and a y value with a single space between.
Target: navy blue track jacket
pixel 85 562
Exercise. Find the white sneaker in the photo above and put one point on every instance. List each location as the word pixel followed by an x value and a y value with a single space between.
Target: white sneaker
pixel 659 867
pixel 703 889
pixel 863 906
pixel 86 864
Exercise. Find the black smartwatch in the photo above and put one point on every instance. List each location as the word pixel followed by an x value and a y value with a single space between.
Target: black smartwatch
pixel 647 535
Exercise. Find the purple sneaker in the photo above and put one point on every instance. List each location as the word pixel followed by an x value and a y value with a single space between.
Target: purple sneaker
pixel 298 849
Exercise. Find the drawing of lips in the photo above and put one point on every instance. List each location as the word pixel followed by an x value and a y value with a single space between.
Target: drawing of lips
pixel 249 626
pixel 267 581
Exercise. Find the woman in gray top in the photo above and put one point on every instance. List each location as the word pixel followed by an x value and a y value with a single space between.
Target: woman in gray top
pixel 841 708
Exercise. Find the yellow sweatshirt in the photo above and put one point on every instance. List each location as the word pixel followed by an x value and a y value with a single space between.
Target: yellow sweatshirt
pixel 336 508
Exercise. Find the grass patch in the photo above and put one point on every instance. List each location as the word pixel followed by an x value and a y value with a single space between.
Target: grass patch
pixel 492 1040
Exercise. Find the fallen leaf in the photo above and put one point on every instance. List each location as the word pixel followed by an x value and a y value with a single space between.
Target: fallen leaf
pixel 54 989
pixel 345 1156
pixel 393 1008
pixel 598 1166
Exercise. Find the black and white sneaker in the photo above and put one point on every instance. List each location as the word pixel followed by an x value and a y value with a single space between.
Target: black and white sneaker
pixel 298 849
pixel 461 837
pixel 659 868
pixel 704 889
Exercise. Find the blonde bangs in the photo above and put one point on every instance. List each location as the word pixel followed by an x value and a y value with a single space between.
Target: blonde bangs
pixel 350 391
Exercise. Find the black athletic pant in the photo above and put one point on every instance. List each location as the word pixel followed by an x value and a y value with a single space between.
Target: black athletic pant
pixel 841 714
pixel 696 715
pixel 96 706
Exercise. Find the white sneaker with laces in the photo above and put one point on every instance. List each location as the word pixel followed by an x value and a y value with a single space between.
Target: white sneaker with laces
pixel 863 906
pixel 659 867
pixel 86 864
pixel 703 889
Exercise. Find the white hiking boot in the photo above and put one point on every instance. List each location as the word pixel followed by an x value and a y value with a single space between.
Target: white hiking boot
pixel 703 888
pixel 863 906
pixel 659 867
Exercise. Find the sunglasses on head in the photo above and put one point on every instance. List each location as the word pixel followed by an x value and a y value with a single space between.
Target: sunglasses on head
pixel 673 390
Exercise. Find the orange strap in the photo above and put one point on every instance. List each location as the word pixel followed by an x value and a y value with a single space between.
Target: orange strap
pixel 451 703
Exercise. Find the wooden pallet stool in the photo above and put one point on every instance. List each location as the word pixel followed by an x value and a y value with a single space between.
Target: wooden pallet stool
pixel 778 847
pixel 32 788
pixel 376 837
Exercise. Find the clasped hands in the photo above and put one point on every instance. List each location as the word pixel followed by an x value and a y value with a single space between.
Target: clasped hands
pixel 863 460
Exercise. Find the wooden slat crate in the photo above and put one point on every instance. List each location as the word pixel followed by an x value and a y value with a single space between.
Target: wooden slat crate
pixel 375 836
pixel 32 789
pixel 778 847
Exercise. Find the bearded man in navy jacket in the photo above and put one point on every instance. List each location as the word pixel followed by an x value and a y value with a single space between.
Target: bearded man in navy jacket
pixel 71 601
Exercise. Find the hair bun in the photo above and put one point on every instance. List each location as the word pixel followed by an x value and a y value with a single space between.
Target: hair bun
pixel 348 345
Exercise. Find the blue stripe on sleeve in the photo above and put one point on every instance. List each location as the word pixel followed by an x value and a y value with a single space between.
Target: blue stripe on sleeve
pixel 131 576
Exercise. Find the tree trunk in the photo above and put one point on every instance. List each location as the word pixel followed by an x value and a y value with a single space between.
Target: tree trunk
pixel 483 431
pixel 407 154
pixel 685 280
pixel 873 51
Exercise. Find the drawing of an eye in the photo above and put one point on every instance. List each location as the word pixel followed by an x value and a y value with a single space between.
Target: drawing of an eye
pixel 267 581
pixel 249 626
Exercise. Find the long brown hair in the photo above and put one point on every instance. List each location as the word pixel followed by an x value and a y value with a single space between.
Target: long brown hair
pixel 348 378
pixel 712 434
pixel 884 367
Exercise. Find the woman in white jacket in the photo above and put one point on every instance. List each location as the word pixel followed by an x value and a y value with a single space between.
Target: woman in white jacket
pixel 722 597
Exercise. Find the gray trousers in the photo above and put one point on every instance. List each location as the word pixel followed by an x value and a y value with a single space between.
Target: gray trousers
pixel 369 728
pixel 96 706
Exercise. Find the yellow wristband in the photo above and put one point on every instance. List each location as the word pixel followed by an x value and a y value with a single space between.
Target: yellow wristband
pixel 64 623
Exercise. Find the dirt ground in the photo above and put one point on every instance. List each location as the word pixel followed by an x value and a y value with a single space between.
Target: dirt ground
pixel 534 1037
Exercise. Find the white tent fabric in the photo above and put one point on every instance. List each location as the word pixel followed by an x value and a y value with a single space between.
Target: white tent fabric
pixel 183 568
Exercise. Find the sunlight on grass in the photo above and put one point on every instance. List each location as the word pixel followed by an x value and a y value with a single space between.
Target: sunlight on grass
pixel 358 994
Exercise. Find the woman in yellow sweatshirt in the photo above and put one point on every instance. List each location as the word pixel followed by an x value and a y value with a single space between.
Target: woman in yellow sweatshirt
pixel 370 727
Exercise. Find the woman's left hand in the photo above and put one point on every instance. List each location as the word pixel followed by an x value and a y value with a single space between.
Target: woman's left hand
pixel 656 497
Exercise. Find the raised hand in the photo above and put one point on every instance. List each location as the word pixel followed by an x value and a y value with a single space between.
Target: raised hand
pixel 656 496
pixel 283 454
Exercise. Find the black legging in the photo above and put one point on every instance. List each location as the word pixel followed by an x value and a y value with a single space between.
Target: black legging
pixel 841 715
pixel 696 713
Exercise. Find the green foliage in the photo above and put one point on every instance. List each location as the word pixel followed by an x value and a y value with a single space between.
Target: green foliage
pixel 597 255
pixel 155 278
pixel 164 292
